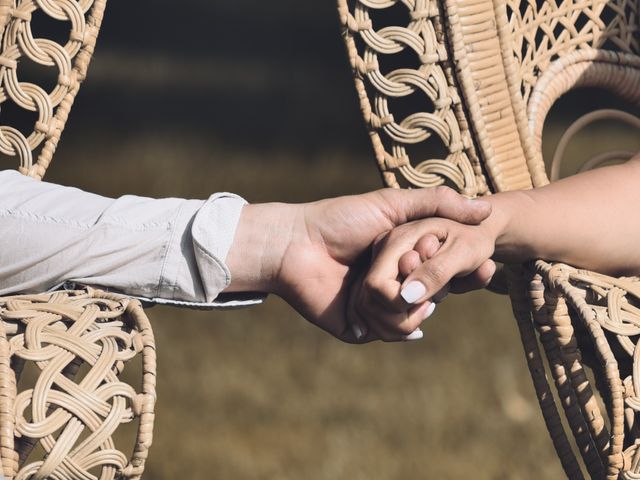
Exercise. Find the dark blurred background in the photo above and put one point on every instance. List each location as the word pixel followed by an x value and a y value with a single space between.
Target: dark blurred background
pixel 188 98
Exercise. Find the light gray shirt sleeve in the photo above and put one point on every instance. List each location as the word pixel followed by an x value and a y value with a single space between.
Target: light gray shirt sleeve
pixel 167 250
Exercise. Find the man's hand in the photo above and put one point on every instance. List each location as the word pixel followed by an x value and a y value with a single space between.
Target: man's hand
pixel 313 255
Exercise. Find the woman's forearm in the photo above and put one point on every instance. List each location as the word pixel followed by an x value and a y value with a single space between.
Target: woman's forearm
pixel 590 220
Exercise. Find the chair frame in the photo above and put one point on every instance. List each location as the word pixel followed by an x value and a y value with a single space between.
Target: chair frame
pixel 70 415
pixel 486 73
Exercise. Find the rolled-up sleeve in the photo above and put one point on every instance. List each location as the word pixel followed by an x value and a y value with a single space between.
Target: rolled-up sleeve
pixel 169 250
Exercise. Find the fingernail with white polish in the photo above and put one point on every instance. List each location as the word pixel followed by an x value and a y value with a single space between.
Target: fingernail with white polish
pixel 413 291
pixel 430 310
pixel 357 331
pixel 415 335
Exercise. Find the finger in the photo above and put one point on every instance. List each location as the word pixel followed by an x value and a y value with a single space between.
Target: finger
pixel 378 243
pixel 433 275
pixel 427 246
pixel 382 280
pixel 357 325
pixel 498 283
pixel 414 204
pixel 408 262
pixel 390 326
pixel 363 309
pixel 417 315
pixel 476 280
pixel 393 327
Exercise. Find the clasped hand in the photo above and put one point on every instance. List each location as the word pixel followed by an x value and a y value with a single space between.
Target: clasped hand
pixel 365 267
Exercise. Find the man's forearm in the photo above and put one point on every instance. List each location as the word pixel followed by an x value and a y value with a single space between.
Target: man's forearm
pixel 590 220
pixel 169 250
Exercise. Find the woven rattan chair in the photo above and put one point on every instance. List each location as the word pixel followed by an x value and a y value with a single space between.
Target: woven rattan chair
pixel 62 354
pixel 479 78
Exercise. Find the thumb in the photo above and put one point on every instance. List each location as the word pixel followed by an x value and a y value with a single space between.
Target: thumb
pixel 416 204
pixel 435 273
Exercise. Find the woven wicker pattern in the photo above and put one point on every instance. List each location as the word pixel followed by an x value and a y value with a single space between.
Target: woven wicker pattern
pixel 426 77
pixel 69 60
pixel 544 31
pixel 507 63
pixel 80 342
pixel 615 71
pixel 600 158
pixel 582 315
pixel 62 426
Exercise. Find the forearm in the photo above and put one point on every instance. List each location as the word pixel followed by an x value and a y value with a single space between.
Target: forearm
pixel 170 250
pixel 590 220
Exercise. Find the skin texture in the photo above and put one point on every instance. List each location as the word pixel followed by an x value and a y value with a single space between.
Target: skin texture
pixel 317 257
pixel 590 220
pixel 346 262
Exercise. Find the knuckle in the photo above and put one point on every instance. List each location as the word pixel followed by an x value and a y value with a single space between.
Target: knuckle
pixel 437 273
pixel 446 193
pixel 408 262
pixel 427 246
pixel 459 249
pixel 388 199
pixel 381 305
pixel 397 234
pixel 386 192
pixel 427 240
pixel 372 285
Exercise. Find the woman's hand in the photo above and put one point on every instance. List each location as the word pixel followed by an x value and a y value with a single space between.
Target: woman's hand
pixel 412 269
pixel 313 255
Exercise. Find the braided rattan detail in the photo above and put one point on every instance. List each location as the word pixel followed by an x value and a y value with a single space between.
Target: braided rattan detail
pixel 587 318
pixel 522 308
pixel 597 160
pixel 480 41
pixel 614 71
pixel 70 60
pixel 72 419
pixel 511 61
pixel 370 43
pixel 543 31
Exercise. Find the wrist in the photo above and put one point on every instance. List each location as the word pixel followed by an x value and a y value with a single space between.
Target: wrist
pixel 261 240
pixel 508 213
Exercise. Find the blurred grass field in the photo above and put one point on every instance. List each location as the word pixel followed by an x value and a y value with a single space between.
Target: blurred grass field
pixel 256 98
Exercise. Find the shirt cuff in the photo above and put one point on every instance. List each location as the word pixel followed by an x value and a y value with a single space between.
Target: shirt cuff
pixel 224 300
pixel 200 253
pixel 194 273
pixel 221 212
